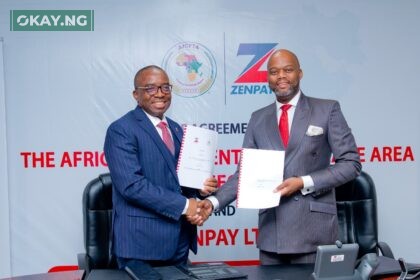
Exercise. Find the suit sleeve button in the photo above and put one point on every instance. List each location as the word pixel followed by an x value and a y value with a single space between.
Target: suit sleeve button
pixel 296 198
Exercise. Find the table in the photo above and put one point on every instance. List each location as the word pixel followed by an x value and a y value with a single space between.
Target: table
pixel 295 272
pixel 63 275
pixel 274 272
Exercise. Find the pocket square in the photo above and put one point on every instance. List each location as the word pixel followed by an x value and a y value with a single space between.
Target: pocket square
pixel 314 130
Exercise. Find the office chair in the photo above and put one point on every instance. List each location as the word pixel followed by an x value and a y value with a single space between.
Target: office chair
pixel 97 225
pixel 356 209
pixel 357 216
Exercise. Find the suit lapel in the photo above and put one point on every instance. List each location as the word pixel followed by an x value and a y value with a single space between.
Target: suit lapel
pixel 272 129
pixel 299 126
pixel 148 127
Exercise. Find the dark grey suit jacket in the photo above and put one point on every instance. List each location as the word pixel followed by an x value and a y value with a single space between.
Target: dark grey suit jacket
pixel 301 223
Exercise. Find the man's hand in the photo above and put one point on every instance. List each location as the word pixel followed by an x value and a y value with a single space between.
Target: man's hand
pixel 209 186
pixel 192 212
pixel 192 207
pixel 203 211
pixel 289 186
pixel 205 208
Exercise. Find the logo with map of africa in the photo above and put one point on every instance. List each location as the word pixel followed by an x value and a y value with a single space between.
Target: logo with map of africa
pixel 191 68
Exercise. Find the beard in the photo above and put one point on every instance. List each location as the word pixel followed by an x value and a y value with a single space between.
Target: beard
pixel 286 96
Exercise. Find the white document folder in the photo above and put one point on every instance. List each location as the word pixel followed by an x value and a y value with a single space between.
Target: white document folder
pixel 197 156
pixel 260 172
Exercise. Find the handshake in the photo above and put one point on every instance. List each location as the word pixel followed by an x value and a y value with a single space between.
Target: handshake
pixel 199 211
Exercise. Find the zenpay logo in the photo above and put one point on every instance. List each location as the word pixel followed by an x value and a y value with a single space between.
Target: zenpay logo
pixel 51 20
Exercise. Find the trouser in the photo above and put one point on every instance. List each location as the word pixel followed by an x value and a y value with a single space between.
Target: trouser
pixel 270 258
pixel 180 258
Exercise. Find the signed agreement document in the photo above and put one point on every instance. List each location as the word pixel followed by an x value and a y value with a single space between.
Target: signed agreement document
pixel 196 159
pixel 260 172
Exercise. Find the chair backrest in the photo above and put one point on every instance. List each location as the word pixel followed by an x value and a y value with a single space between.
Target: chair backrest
pixel 97 223
pixel 357 213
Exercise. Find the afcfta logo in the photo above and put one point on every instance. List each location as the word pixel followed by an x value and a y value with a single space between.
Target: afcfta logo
pixel 51 20
pixel 192 69
pixel 249 81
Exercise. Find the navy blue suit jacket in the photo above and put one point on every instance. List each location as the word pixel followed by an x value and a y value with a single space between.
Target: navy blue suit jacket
pixel 147 198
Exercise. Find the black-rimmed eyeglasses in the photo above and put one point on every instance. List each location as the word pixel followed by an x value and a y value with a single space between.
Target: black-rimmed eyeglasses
pixel 152 90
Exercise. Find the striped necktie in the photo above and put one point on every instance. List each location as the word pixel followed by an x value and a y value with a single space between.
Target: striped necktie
pixel 166 137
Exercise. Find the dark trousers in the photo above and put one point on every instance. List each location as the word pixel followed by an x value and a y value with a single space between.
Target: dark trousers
pixel 180 258
pixel 270 258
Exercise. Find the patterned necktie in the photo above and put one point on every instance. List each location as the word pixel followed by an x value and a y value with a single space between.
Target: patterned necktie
pixel 166 137
pixel 284 124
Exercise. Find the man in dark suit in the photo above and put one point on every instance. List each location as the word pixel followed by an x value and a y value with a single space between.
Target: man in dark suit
pixel 150 208
pixel 306 216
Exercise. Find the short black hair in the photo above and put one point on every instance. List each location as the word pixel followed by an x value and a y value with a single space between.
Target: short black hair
pixel 144 69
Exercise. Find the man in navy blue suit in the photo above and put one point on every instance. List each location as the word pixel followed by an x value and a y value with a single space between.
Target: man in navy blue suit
pixel 152 213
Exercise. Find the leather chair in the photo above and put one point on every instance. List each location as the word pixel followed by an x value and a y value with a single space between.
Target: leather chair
pixel 97 225
pixel 356 208
pixel 357 216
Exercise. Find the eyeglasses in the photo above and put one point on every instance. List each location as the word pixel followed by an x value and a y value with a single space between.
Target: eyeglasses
pixel 152 90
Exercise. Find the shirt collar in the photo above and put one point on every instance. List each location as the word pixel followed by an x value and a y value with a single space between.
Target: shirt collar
pixel 155 120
